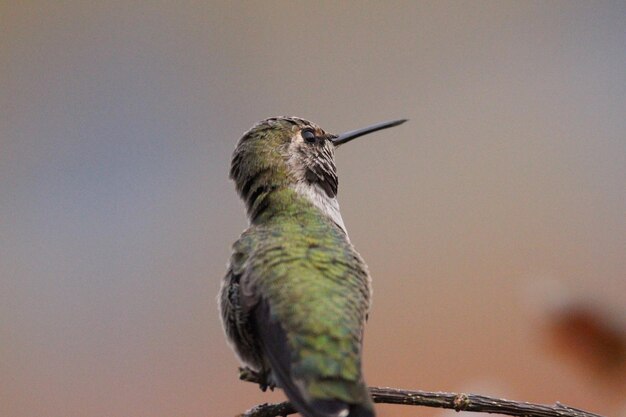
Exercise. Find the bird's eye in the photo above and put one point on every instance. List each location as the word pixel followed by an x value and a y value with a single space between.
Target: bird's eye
pixel 308 135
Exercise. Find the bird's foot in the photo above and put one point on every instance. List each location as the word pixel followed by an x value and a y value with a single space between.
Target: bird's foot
pixel 262 378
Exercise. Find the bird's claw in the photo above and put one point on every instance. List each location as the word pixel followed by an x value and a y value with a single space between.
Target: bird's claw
pixel 262 378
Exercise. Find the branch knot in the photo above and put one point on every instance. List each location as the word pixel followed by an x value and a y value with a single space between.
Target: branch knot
pixel 461 402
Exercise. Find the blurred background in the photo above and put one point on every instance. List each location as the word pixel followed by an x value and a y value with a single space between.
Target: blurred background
pixel 494 222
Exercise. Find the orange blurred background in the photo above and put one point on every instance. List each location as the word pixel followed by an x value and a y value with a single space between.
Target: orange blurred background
pixel 494 222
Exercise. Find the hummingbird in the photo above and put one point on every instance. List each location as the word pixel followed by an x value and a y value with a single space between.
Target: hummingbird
pixel 297 294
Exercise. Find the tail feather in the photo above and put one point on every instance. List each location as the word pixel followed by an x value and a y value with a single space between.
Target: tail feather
pixel 334 408
pixel 361 411
pixel 276 349
pixel 338 408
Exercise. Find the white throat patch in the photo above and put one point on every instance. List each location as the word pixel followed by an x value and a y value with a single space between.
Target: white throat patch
pixel 318 197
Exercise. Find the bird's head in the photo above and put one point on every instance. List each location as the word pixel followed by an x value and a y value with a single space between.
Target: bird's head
pixel 289 152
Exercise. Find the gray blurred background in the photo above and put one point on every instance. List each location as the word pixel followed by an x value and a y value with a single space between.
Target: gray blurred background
pixel 494 222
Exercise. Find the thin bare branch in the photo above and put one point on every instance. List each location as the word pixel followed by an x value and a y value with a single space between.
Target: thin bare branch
pixel 449 400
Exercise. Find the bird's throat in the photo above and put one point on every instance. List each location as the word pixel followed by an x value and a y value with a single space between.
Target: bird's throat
pixel 316 195
pixel 295 201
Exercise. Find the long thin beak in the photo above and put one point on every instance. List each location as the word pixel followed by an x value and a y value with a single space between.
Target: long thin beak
pixel 348 136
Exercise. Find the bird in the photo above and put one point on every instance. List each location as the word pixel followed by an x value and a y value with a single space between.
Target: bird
pixel 297 294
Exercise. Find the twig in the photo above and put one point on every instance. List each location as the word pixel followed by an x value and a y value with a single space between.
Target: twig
pixel 457 402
